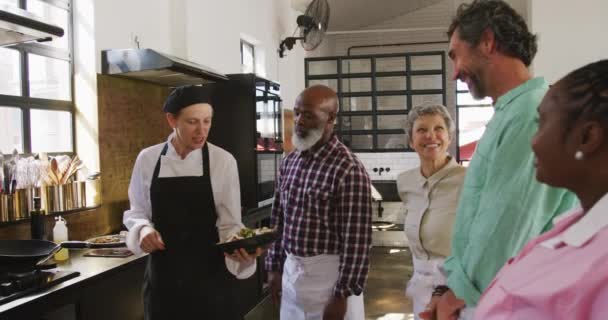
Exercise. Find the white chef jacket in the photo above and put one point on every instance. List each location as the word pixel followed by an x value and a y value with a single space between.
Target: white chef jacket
pixel 224 182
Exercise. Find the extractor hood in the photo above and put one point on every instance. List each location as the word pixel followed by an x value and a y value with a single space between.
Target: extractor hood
pixel 156 67
pixel 18 25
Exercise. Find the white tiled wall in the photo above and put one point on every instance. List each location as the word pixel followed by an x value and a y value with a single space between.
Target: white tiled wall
pixel 396 161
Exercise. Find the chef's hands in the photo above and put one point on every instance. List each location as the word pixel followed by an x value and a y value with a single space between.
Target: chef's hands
pixel 241 255
pixel 444 307
pixel 150 240
pixel 275 280
pixel 335 309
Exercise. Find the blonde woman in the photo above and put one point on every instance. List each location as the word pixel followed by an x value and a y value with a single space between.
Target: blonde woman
pixel 430 195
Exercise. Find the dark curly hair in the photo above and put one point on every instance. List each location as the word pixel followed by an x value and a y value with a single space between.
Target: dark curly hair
pixel 586 90
pixel 509 28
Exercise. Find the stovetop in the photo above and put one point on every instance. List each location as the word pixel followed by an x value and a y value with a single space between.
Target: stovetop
pixel 16 285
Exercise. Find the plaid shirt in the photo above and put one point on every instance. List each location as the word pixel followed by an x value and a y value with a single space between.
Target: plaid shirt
pixel 322 205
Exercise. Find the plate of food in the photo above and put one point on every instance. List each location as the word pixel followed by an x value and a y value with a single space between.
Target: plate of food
pixel 249 239
pixel 116 240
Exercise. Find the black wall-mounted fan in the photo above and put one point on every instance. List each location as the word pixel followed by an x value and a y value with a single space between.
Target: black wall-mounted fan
pixel 312 25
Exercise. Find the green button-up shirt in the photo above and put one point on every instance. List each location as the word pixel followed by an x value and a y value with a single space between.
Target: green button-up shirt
pixel 502 205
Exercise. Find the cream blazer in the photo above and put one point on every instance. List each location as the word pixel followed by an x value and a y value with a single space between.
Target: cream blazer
pixel 430 205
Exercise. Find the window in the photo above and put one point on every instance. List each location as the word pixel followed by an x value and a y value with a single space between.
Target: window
pixel 376 92
pixel 36 99
pixel 473 115
pixel 247 57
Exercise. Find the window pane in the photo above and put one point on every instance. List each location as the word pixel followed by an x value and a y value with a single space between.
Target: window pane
pixel 420 99
pixel 357 85
pixel 10 71
pixel 426 62
pixel 427 82
pixel 11 130
pixel 472 123
pixel 396 121
pixel 390 83
pixel 392 102
pixel 466 99
pixel 390 64
pixel 52 15
pixel 51 131
pixel 248 59
pixel 356 122
pixel 332 83
pixel 391 141
pixel 357 104
pixel 356 65
pixel 364 142
pixel 322 67
pixel 49 78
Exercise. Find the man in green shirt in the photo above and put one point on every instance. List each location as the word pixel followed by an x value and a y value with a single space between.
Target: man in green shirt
pixel 501 206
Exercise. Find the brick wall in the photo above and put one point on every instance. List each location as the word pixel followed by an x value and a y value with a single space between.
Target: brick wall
pixel 130 119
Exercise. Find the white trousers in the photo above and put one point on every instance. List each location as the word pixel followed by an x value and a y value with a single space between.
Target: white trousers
pixel 420 287
pixel 308 284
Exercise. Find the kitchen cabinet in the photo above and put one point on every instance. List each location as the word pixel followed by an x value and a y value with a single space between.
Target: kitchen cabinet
pixel 377 91
pixel 107 288
pixel 247 123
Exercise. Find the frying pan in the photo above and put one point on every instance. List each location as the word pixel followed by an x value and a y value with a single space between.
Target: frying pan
pixel 23 255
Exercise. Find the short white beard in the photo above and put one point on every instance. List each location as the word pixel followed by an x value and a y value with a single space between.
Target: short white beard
pixel 314 135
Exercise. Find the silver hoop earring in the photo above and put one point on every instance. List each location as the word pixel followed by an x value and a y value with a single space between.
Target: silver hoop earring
pixel 578 155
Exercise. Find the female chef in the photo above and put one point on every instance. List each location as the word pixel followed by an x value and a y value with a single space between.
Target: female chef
pixel 185 198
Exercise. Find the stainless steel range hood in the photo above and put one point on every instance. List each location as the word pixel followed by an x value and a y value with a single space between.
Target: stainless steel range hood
pixel 156 67
pixel 18 25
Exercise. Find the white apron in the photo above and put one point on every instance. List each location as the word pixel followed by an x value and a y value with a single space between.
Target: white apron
pixel 308 284
pixel 420 287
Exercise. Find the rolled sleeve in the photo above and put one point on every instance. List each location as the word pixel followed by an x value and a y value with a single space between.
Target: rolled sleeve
pixel 355 230
pixel 140 212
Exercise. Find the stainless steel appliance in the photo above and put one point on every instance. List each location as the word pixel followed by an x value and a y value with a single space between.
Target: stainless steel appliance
pixel 156 67
pixel 18 25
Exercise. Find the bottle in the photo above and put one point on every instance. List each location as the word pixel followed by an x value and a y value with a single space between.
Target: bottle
pixel 60 234
pixel 37 221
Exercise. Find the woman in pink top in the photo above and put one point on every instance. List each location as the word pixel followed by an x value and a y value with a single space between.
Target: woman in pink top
pixel 563 274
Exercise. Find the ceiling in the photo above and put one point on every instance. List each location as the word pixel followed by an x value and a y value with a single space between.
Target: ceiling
pixel 349 15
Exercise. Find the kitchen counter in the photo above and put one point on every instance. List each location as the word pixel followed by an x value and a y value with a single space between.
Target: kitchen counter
pixel 104 284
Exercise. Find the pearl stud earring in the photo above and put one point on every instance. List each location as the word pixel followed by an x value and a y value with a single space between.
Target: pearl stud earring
pixel 578 155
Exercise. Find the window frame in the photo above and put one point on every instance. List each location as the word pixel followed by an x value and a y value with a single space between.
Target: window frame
pixel 26 103
pixel 374 93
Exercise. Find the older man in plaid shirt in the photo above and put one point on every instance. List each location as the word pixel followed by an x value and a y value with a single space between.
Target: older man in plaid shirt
pixel 322 208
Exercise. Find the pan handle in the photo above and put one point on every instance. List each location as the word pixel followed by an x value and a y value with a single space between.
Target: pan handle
pixel 51 254
pixel 75 244
pixel 87 245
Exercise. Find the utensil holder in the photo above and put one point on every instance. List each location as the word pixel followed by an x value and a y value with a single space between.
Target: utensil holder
pixel 20 207
pixel 52 198
pixel 4 208
pixel 64 197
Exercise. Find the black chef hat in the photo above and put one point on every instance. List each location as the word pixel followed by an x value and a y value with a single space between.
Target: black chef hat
pixel 185 96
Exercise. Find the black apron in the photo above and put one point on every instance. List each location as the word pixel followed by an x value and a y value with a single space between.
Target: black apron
pixel 189 277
